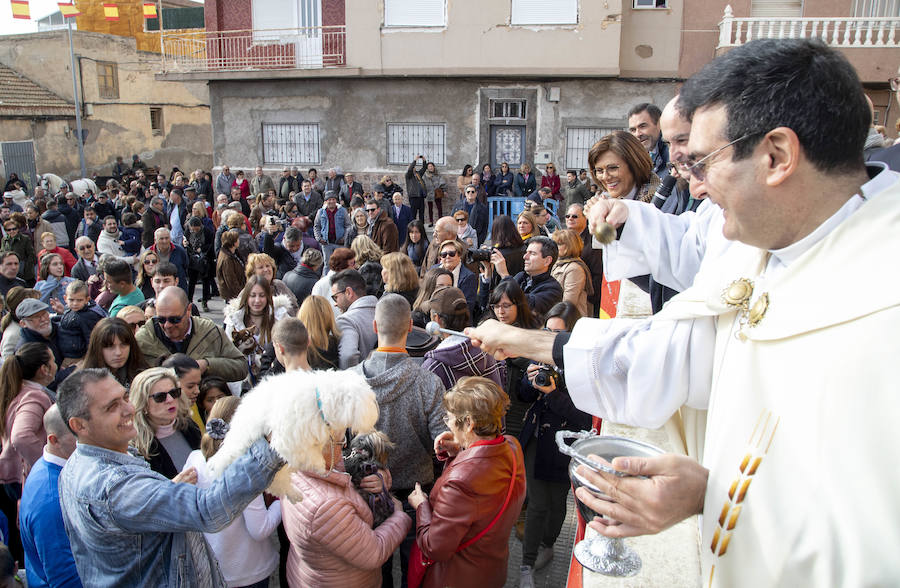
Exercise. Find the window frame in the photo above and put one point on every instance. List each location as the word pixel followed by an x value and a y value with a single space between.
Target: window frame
pixel 636 6
pixel 159 129
pixel 104 90
pixel 429 156
pixel 497 101
pixel 318 143
pixel 392 26
pixel 513 22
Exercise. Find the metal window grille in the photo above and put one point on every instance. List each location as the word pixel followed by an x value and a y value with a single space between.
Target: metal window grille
pixel 409 140
pixel 108 79
pixel 579 141
pixel 291 143
pixel 651 3
pixel 156 121
pixel 508 109
pixel 876 8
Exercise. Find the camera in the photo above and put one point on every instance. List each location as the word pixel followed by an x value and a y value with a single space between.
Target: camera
pixel 478 255
pixel 547 375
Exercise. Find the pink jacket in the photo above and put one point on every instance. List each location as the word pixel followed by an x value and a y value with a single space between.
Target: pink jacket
pixel 331 535
pixel 25 437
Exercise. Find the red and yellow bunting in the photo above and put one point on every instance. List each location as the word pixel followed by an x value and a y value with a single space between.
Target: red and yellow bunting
pixel 68 9
pixel 20 9
pixel 111 11
pixel 149 10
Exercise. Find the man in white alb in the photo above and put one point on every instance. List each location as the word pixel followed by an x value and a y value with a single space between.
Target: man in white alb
pixel 784 337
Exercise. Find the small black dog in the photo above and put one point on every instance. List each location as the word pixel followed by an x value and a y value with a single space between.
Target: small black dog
pixel 367 454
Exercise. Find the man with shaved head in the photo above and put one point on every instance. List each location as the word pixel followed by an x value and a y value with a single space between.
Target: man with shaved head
pixel 48 554
pixel 174 330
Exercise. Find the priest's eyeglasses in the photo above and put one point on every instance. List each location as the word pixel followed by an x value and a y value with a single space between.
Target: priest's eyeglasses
pixel 698 168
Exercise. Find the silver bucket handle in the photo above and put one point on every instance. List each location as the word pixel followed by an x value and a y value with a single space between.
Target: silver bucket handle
pixel 566 449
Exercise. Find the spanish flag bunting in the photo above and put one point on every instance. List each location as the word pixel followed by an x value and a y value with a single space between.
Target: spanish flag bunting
pixel 20 9
pixel 111 11
pixel 149 10
pixel 68 9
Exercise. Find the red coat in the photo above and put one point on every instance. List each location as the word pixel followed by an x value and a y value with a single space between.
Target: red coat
pixel 465 499
pixel 553 183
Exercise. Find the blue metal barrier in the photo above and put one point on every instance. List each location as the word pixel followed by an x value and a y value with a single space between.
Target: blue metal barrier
pixel 511 206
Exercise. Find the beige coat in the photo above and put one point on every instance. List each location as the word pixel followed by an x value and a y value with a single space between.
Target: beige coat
pixel 575 279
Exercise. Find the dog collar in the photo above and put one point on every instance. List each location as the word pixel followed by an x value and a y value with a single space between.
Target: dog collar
pixel 319 404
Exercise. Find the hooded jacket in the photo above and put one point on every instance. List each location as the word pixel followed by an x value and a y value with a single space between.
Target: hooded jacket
pixel 409 412
pixel 460 359
pixel 57 221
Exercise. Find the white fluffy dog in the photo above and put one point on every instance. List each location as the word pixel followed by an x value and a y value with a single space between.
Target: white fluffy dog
pixel 300 410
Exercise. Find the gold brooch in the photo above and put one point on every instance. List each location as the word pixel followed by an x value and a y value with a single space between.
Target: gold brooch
pixel 737 295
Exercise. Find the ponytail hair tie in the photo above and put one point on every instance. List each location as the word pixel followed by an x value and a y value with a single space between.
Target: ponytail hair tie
pixel 217 428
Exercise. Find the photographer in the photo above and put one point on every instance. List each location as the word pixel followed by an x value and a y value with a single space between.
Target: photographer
pixel 506 258
pixel 546 468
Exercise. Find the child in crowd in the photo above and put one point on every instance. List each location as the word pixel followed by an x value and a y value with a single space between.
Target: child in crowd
pixel 77 322
pixel 119 280
pixel 131 234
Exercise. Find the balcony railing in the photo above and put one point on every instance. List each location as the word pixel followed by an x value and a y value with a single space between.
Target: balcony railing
pixel 248 50
pixel 836 32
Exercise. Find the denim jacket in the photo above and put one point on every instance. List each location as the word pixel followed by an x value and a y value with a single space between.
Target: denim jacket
pixel 128 525
pixel 340 223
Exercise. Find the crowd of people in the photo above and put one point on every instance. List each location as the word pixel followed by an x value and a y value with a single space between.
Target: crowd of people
pixel 105 342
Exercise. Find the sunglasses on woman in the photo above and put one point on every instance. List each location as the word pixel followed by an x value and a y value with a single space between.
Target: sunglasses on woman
pixel 160 397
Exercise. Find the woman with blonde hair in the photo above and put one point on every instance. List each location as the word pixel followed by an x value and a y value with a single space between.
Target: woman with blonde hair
pixel 464 525
pixel 399 275
pixel 368 261
pixel 527 225
pixel 570 270
pixel 246 555
pixel 146 269
pixel 262 264
pixel 166 434
pixel 324 334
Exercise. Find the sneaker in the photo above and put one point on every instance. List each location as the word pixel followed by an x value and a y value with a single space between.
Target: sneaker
pixel 545 554
pixel 526 577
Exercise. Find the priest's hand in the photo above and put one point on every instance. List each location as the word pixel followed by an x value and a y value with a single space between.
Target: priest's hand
pixel 605 210
pixel 502 341
pixel 673 490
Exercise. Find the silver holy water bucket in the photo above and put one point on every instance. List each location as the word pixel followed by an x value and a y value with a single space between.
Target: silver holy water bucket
pixel 608 556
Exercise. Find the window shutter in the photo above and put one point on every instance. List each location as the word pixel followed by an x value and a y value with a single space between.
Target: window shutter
pixel 776 9
pixel 544 12
pixel 414 13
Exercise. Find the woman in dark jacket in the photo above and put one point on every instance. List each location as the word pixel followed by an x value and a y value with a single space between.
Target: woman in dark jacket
pixel 318 318
pixel 547 469
pixel 525 182
pixel 166 435
pixel 484 476
pixel 509 306
pixel 229 267
pixel 508 249
pixel 503 181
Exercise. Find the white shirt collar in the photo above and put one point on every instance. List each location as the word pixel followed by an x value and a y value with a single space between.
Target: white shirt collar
pixel 54 459
pixel 783 257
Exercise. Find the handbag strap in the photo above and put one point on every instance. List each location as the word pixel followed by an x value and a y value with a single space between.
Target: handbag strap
pixel 512 483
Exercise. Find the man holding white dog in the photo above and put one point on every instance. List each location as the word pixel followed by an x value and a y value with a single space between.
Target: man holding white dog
pixel 128 525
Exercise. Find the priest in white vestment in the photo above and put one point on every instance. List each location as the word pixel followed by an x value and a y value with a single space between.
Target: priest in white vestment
pixel 787 337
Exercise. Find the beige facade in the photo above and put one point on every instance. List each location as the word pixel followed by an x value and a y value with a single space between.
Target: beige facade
pixel 118 91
